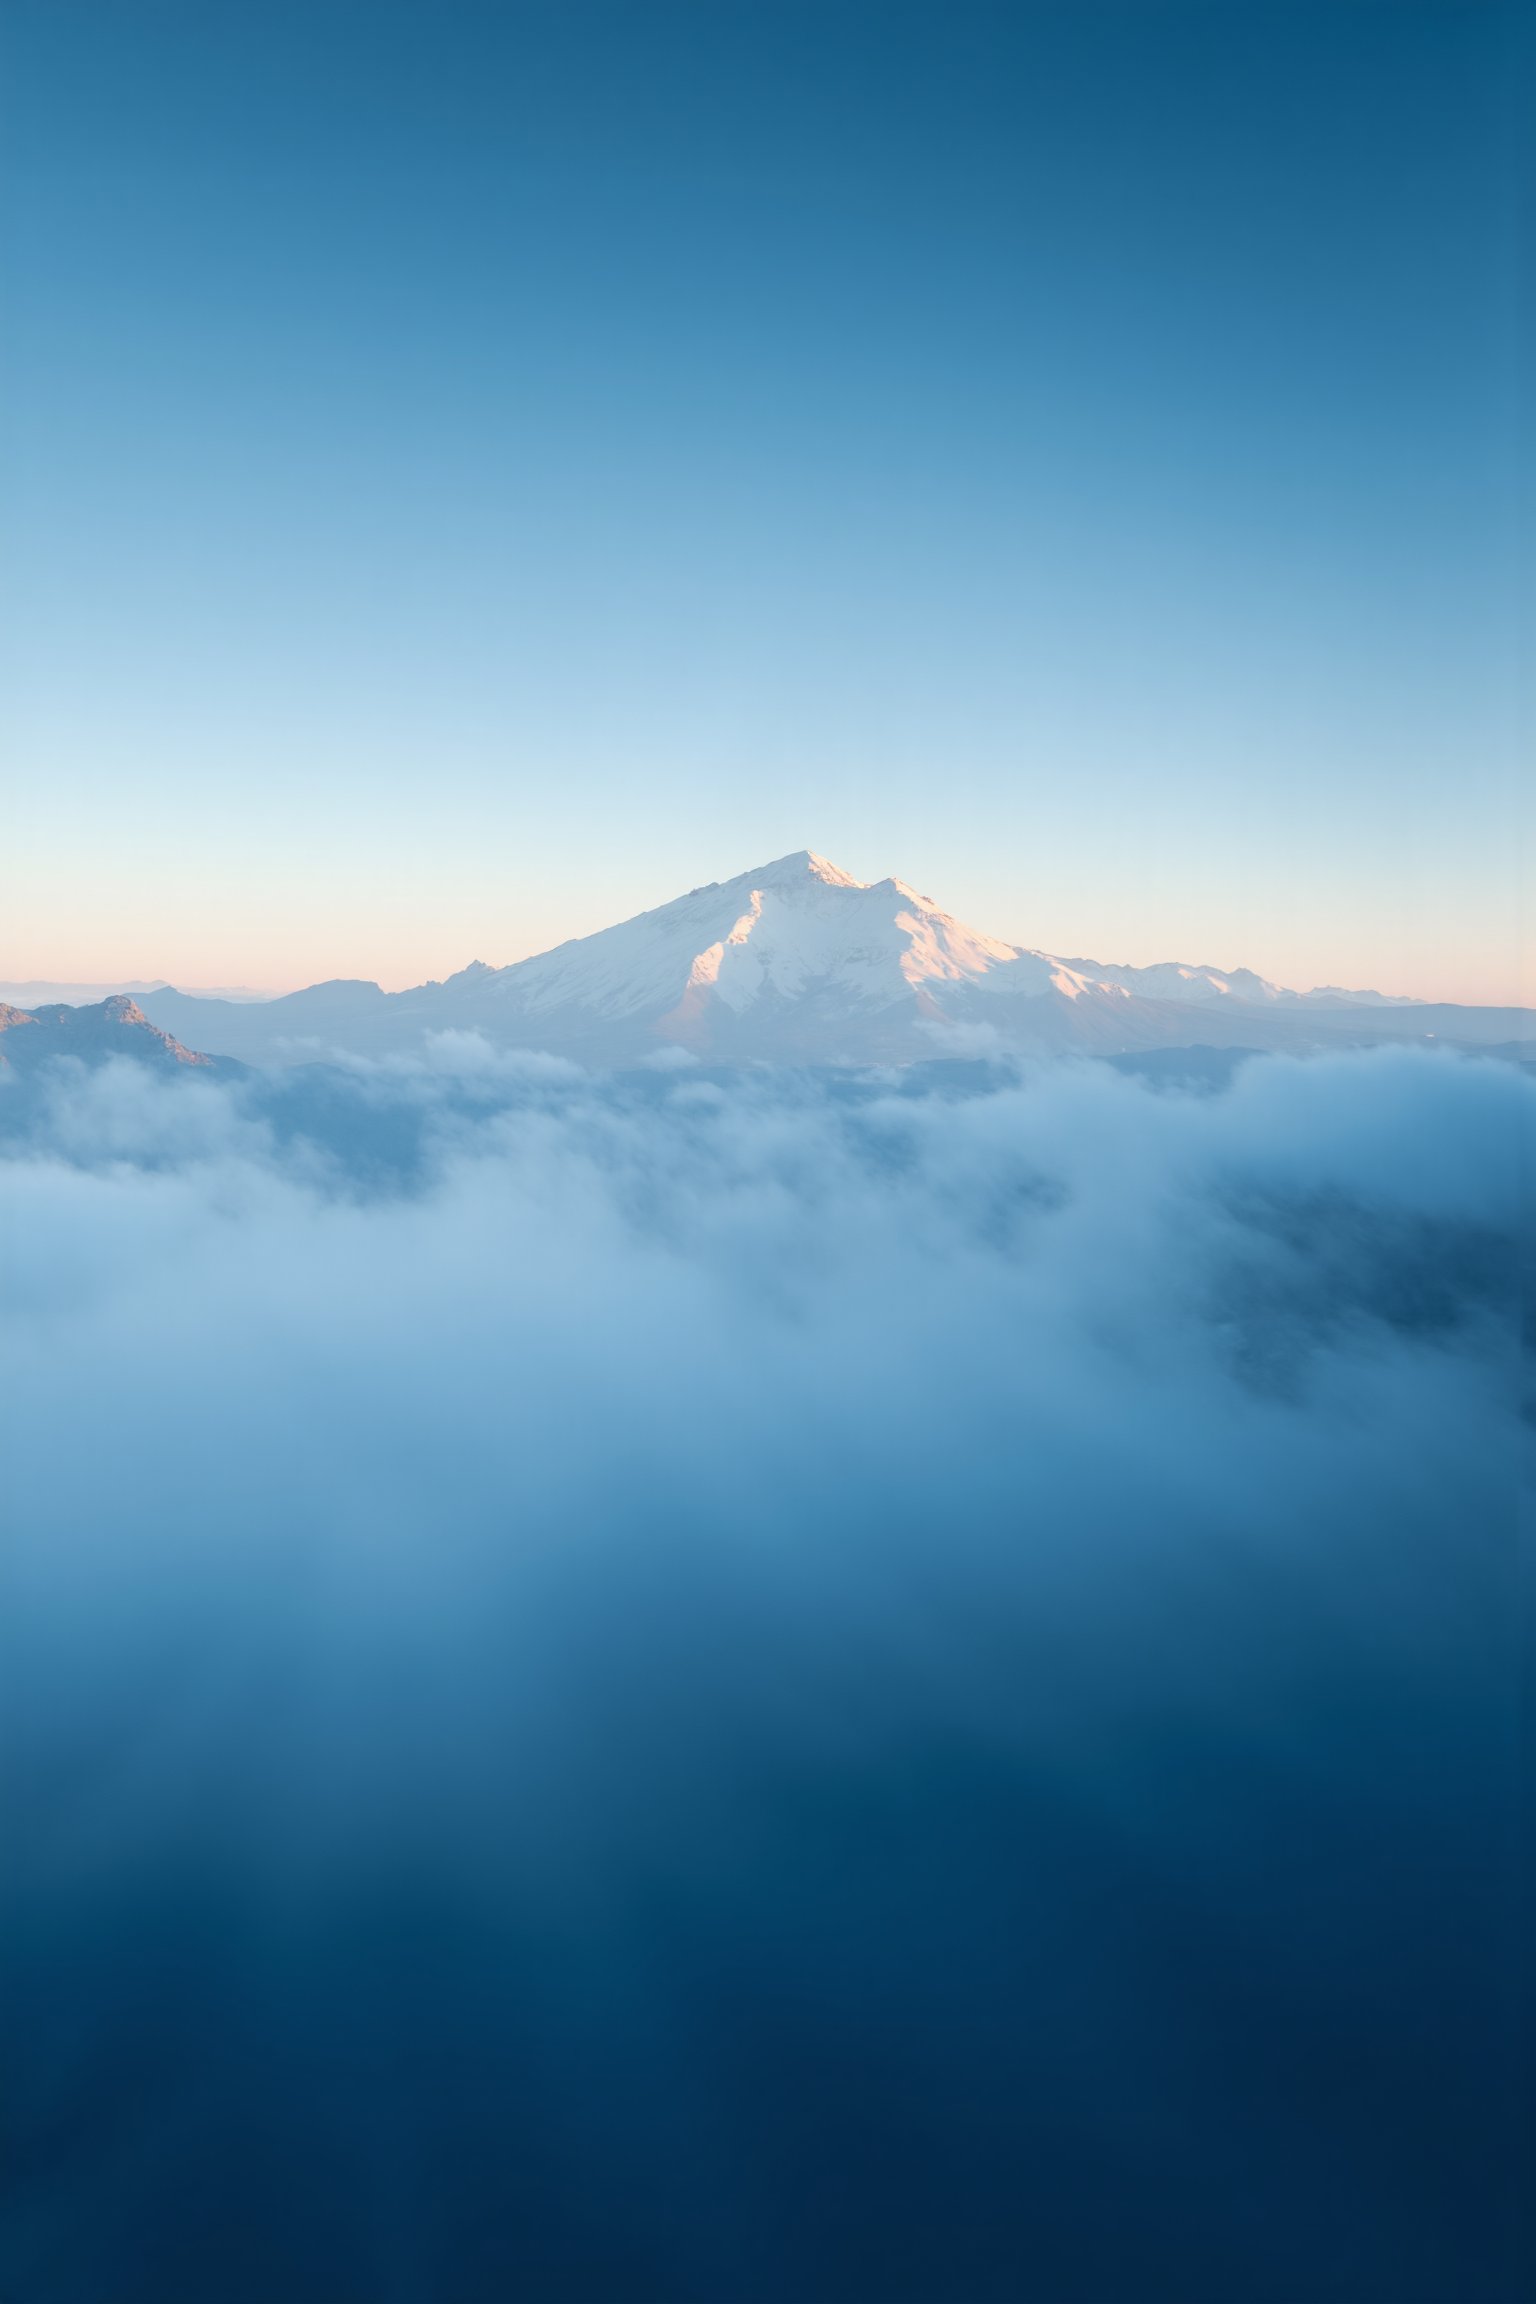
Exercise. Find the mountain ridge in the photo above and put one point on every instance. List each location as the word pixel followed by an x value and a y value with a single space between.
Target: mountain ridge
pixel 91 1033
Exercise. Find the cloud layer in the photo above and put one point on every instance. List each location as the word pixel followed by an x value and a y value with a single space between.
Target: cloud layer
pixel 733 1686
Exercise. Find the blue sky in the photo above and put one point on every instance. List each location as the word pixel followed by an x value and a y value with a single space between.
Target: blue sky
pixel 467 473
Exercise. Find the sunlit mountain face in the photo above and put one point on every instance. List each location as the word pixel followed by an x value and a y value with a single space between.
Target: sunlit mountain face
pixel 710 1682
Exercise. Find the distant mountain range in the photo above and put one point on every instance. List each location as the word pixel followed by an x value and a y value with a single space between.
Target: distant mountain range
pixel 44 992
pixel 799 962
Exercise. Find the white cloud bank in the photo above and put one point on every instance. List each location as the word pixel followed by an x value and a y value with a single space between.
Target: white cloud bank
pixel 675 1633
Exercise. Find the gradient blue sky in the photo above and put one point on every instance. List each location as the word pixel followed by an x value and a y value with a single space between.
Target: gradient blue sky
pixel 467 473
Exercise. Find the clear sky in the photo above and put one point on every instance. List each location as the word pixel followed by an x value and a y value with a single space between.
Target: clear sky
pixel 470 472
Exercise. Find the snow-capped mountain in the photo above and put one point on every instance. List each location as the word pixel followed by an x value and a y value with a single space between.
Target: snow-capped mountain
pixel 798 961
pixel 796 958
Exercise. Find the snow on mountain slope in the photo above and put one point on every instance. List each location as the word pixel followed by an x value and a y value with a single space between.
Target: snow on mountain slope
pixel 1203 986
pixel 1179 980
pixel 649 962
pixel 780 929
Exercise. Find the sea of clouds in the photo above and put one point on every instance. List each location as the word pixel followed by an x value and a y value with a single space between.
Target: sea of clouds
pixel 761 1686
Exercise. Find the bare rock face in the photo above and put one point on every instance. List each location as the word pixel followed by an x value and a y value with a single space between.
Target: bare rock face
pixel 92 1034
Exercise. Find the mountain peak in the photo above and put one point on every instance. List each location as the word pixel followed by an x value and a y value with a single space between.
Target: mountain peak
pixel 803 864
